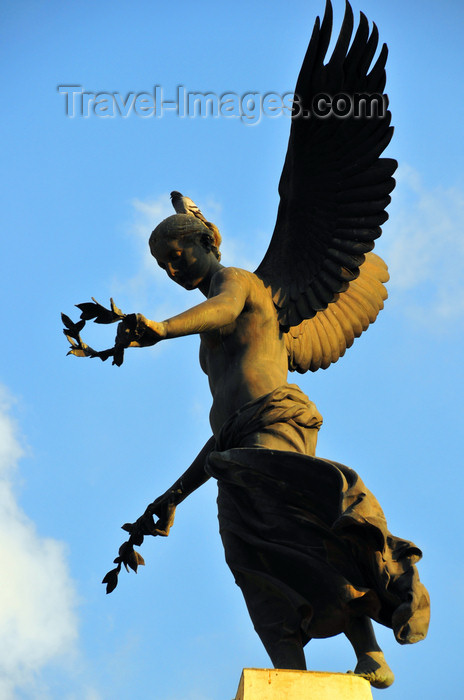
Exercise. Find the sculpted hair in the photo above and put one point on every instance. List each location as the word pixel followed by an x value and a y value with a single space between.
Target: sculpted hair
pixel 185 225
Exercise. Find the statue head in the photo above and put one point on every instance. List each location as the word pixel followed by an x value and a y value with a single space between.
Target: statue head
pixel 180 226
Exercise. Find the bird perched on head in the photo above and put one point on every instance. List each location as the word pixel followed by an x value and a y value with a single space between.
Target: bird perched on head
pixel 184 205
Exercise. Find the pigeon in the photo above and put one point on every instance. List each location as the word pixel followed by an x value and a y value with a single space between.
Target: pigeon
pixel 184 205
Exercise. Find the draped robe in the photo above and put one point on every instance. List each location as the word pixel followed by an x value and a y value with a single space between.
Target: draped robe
pixel 306 541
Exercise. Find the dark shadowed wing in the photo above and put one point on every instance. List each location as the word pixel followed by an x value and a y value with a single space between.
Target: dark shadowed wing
pixel 334 186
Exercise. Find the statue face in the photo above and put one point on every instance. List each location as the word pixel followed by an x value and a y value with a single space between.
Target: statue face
pixel 185 260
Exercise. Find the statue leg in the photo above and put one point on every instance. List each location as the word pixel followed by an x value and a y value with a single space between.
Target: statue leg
pixel 371 661
pixel 285 651
pixel 276 623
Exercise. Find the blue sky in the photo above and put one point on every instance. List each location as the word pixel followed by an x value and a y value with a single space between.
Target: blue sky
pixel 85 446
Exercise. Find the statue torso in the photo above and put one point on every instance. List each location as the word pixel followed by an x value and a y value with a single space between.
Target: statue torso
pixel 247 358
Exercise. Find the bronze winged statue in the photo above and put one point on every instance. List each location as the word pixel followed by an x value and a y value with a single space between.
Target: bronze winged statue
pixel 305 539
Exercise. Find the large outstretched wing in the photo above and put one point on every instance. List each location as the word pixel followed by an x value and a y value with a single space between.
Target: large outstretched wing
pixel 334 186
pixel 317 342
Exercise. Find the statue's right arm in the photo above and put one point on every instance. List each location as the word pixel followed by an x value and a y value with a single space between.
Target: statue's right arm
pixel 228 295
pixel 165 505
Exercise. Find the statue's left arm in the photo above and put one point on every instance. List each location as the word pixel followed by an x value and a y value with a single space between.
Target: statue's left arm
pixel 164 506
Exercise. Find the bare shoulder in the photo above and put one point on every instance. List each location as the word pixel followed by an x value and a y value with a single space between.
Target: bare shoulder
pixel 243 287
pixel 232 279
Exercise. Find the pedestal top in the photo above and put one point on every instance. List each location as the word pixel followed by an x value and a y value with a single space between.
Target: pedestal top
pixel 280 684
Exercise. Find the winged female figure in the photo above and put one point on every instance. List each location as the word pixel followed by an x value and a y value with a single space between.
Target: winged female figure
pixel 306 541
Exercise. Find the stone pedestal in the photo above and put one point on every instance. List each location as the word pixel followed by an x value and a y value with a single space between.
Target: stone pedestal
pixel 277 684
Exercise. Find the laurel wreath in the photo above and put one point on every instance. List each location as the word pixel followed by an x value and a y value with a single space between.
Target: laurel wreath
pixel 145 525
pixel 94 311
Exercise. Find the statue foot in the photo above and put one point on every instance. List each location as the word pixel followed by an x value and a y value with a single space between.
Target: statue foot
pixel 374 668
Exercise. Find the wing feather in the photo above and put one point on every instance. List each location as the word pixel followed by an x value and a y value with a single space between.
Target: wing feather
pixel 358 315
pixel 324 359
pixel 334 187
pixel 319 341
pixel 341 335
pixel 333 345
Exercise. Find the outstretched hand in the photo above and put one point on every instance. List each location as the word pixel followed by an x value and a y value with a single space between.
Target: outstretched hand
pixel 137 331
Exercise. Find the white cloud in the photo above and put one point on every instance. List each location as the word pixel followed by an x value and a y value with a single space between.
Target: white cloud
pixel 147 214
pixel 426 253
pixel 38 621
